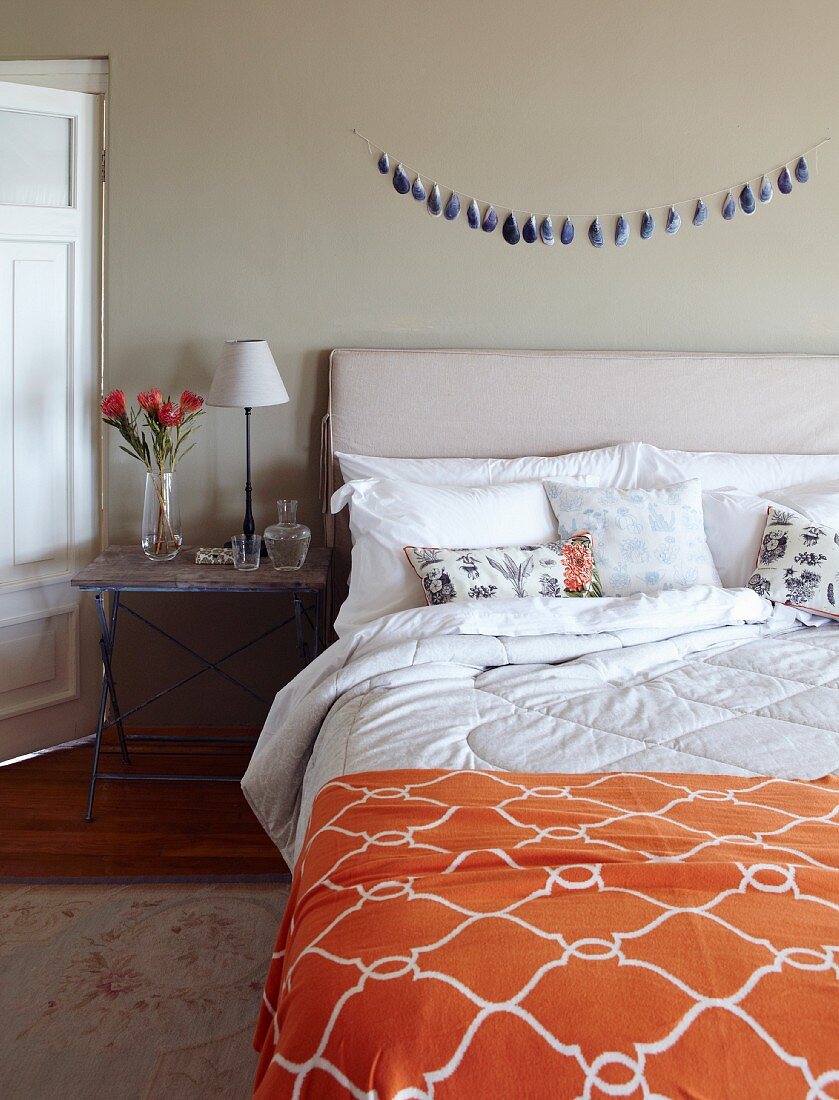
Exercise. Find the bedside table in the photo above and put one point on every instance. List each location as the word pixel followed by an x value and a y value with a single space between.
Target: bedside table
pixel 125 569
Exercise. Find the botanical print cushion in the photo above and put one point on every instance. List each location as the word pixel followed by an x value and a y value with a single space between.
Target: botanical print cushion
pixel 555 569
pixel 798 563
pixel 645 540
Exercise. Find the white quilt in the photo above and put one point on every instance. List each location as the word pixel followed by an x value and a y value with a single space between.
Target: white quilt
pixel 698 680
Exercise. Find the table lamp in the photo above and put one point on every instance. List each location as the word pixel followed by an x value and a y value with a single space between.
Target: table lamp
pixel 247 378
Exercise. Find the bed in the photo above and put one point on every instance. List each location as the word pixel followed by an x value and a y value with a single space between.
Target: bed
pixel 585 850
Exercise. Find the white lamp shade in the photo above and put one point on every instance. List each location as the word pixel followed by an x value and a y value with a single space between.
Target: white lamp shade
pixel 247 377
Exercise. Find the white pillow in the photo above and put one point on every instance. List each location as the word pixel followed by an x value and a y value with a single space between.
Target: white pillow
pixel 645 540
pixel 751 473
pixel 817 501
pixel 608 465
pixel 735 523
pixel 386 516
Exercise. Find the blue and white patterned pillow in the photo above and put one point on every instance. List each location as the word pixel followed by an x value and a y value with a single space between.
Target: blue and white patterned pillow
pixel 798 563
pixel 645 540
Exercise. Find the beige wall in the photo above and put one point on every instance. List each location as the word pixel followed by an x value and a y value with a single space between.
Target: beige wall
pixel 241 204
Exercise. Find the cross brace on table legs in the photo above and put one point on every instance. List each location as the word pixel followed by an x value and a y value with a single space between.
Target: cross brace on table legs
pixel 108 623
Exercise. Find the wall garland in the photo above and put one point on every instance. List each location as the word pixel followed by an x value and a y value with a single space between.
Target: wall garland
pixel 486 215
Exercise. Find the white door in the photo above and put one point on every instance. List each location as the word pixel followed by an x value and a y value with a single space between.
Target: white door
pixel 50 193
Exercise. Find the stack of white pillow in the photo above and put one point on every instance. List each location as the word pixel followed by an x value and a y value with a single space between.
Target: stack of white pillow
pixel 478 503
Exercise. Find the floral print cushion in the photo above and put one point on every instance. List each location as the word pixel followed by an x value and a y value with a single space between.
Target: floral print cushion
pixel 554 569
pixel 645 540
pixel 798 563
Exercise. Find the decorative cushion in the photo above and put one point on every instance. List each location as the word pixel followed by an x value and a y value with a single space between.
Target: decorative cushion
pixel 735 522
pixel 386 516
pixel 554 569
pixel 798 563
pixel 645 540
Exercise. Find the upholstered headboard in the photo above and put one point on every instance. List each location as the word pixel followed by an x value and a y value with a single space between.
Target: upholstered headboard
pixel 420 404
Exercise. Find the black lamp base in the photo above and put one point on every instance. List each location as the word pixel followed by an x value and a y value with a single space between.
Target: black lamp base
pixel 248 526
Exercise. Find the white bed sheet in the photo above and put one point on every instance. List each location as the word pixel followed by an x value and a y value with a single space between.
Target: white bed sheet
pixel 698 680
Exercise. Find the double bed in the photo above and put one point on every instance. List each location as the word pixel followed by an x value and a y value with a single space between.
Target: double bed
pixel 572 847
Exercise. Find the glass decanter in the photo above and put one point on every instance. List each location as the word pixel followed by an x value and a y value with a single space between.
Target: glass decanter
pixel 287 541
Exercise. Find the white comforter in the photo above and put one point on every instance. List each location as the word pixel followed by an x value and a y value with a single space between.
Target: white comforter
pixel 698 680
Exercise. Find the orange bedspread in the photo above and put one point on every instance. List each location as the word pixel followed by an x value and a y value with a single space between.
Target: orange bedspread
pixel 495 935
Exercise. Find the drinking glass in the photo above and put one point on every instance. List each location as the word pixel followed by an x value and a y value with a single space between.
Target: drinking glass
pixel 246 550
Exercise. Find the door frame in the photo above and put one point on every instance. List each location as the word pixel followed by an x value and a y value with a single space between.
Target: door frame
pixel 92 75
pixel 89 75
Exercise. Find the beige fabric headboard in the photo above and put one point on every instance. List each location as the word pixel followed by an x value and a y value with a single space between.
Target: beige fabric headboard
pixel 504 404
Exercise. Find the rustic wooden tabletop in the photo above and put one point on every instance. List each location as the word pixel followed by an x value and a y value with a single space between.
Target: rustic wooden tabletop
pixel 127 569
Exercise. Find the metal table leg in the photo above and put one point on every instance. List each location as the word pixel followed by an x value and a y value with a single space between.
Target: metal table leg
pixel 307 652
pixel 302 646
pixel 107 626
pixel 108 694
pixel 107 643
pixel 318 613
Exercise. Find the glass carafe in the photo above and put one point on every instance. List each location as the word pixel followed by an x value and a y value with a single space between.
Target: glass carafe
pixel 287 541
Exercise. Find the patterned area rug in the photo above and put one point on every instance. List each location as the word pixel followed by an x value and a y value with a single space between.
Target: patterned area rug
pixel 142 992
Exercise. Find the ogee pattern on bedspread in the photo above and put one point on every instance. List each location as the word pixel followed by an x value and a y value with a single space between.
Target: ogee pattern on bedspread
pixel 502 935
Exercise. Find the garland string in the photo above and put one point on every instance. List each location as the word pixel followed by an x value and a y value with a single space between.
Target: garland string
pixel 374 149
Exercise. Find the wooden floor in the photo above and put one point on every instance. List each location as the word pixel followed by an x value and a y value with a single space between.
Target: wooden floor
pixel 139 829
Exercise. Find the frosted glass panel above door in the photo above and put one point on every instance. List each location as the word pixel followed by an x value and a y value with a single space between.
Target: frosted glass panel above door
pixel 36 159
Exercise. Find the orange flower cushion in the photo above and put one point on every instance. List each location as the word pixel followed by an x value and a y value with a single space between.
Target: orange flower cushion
pixel 469 935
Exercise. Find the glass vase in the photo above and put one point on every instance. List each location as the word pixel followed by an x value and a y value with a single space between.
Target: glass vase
pixel 161 536
pixel 287 541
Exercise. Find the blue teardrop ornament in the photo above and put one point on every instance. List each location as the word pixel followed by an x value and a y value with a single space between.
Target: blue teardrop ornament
pixel 621 231
pixel 401 183
pixel 785 181
pixel 700 214
pixel 418 190
pixel 452 207
pixel 647 225
pixel 510 229
pixel 729 207
pixel 674 221
pixel 802 170
pixel 546 231
pixel 595 233
pixel 747 199
pixel 435 203
pixel 473 215
pixel 566 234
pixel 765 192
pixel 490 220
pixel 530 234
pixel 384 164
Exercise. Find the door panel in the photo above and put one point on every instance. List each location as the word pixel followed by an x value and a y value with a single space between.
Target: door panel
pixel 38 661
pixel 50 197
pixel 35 372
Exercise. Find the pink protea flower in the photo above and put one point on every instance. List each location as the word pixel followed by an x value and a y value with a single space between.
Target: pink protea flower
pixel 169 415
pixel 113 406
pixel 190 402
pixel 159 438
pixel 577 563
pixel 150 400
